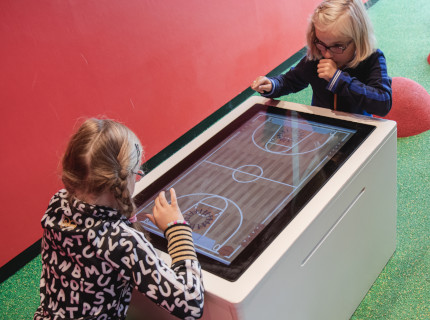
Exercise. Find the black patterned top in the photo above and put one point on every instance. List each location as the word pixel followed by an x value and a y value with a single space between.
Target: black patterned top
pixel 92 259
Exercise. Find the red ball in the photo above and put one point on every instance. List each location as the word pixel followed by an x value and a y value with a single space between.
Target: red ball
pixel 428 58
pixel 411 107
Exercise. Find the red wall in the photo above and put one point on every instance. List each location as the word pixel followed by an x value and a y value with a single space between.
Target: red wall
pixel 159 66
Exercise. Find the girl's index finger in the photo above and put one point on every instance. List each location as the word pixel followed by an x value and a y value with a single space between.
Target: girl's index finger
pixel 162 199
pixel 173 196
pixel 157 202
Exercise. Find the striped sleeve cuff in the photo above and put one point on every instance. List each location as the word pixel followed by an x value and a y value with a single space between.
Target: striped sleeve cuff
pixel 180 244
pixel 268 94
pixel 333 82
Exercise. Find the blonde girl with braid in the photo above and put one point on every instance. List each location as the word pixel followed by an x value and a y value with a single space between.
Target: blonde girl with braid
pixel 94 251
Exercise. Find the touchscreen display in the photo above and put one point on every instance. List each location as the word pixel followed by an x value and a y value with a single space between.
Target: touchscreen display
pixel 247 178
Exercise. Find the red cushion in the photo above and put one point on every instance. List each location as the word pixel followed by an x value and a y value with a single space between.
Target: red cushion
pixel 411 107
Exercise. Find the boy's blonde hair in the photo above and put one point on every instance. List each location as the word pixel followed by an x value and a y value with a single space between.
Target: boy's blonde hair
pixel 100 157
pixel 347 18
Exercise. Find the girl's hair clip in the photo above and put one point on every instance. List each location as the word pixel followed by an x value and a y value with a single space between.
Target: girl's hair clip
pixel 138 152
pixel 133 219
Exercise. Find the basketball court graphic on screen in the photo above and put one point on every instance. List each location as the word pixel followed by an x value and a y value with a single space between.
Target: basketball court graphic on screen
pixel 241 184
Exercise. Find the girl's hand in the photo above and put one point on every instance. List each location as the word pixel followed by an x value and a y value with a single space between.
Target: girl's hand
pixel 326 69
pixel 262 85
pixel 163 212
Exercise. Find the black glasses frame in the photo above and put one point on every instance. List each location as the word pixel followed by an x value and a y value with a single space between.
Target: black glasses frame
pixel 336 49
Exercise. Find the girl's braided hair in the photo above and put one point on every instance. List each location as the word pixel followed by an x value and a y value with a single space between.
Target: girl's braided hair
pixel 101 156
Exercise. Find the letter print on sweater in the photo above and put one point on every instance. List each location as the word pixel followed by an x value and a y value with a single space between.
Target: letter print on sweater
pixel 92 259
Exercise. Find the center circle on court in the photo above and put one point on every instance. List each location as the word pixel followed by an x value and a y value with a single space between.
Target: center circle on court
pixel 247 173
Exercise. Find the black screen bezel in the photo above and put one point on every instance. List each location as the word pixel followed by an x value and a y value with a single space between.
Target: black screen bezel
pixel 251 252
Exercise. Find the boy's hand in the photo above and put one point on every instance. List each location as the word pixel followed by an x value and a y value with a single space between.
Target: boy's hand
pixel 326 69
pixel 262 85
pixel 163 212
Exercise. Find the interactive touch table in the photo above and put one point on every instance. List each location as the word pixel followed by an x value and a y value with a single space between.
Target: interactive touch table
pixel 293 210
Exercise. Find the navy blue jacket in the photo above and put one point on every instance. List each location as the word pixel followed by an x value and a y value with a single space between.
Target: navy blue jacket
pixel 365 89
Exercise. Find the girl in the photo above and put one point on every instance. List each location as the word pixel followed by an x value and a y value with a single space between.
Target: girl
pixel 93 249
pixel 342 65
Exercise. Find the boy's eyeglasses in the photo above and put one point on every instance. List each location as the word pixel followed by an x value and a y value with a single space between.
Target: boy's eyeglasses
pixel 336 49
pixel 139 175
